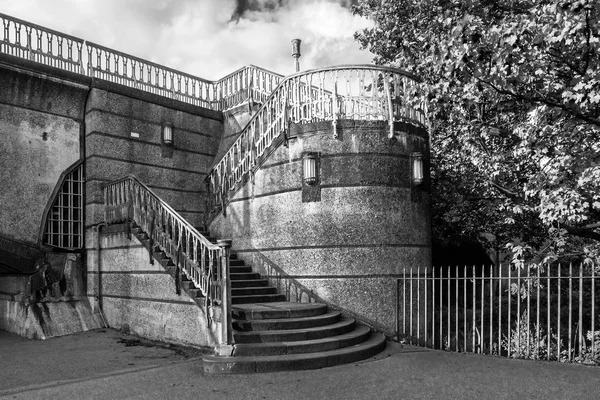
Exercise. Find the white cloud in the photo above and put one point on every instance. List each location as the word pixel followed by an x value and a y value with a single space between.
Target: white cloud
pixel 200 37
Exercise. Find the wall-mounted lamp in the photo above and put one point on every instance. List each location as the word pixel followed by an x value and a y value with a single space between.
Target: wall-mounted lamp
pixel 417 168
pixel 167 134
pixel 309 167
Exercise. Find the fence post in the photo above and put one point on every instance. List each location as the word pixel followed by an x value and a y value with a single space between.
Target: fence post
pixel 226 340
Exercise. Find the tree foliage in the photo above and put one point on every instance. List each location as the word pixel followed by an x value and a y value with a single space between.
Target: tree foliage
pixel 514 98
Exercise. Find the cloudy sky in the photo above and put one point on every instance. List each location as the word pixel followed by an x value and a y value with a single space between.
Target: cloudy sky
pixel 208 38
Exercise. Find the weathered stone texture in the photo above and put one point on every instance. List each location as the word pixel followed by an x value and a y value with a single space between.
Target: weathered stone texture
pixel 370 226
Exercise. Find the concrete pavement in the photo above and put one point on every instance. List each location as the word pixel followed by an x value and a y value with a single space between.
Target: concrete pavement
pixel 106 364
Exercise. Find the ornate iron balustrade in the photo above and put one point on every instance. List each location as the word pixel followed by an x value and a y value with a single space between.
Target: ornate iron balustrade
pixel 115 66
pixel 204 263
pixel 46 46
pixel 249 82
pixel 357 92
pixel 43 45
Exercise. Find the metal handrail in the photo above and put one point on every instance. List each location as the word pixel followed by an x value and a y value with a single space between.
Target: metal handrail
pixel 358 92
pixel 204 263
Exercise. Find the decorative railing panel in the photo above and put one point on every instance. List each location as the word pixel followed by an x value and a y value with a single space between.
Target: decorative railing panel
pixel 357 92
pixel 46 46
pixel 204 263
pixel 248 83
pixel 43 45
pixel 127 70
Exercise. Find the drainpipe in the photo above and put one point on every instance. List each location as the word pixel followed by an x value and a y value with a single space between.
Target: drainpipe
pixel 99 265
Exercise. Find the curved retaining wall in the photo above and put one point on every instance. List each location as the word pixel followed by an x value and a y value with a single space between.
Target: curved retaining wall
pixel 347 248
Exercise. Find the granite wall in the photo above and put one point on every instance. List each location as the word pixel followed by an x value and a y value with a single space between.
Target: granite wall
pixel 124 137
pixel 41 124
pixel 139 297
pixel 348 238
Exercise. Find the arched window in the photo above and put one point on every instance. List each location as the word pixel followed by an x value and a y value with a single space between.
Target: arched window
pixel 64 223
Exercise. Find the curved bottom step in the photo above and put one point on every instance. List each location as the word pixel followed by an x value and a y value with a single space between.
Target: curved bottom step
pixel 292 362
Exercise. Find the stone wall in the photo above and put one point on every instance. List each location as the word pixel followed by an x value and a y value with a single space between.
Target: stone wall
pixel 124 137
pixel 40 128
pixel 347 239
pixel 139 297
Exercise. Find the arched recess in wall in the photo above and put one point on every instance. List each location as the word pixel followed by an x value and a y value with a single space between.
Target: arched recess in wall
pixel 62 225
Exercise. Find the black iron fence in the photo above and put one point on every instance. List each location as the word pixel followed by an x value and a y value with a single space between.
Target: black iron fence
pixel 536 312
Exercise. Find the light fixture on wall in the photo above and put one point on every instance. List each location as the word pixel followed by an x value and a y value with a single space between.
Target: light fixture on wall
pixel 167 134
pixel 417 168
pixel 309 167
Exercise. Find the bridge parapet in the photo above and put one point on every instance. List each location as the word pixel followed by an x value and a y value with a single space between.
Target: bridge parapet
pixel 32 42
pixel 23 39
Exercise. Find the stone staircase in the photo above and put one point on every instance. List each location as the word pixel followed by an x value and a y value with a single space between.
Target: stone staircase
pixel 272 334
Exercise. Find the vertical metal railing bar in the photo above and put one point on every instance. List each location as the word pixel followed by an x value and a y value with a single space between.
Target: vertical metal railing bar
pixel 411 306
pixel 508 317
pixel 548 304
pixel 397 309
pixel 558 320
pixel 464 281
pixel 481 315
pixel 580 321
pixel 528 295
pixel 518 309
pixel 426 310
pixel 570 309
pixel 433 332
pixel 418 304
pixel 537 325
pixel 593 278
pixel 404 302
pixel 456 305
pixel 491 327
pixel 499 309
pixel 448 308
pixel 473 309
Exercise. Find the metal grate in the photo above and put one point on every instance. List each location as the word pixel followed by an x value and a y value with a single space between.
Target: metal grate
pixel 64 225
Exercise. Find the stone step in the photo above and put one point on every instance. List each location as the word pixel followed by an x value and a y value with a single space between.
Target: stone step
pixel 244 276
pixel 290 362
pixel 240 283
pixel 275 310
pixel 236 262
pixel 242 269
pixel 357 335
pixel 259 298
pixel 253 290
pixel 286 323
pixel 343 326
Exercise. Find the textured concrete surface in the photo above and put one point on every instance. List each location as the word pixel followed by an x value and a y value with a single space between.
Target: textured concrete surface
pixel 47 319
pixel 40 123
pixel 177 171
pixel 140 297
pixel 105 364
pixel 370 225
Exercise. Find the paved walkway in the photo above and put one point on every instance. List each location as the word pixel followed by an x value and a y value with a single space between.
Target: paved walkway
pixel 105 364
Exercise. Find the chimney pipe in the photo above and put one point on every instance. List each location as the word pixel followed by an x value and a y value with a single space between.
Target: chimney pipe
pixel 296 52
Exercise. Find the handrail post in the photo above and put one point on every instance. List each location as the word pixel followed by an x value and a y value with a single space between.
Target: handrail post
pixel 226 342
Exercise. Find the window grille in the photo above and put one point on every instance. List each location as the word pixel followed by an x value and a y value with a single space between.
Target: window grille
pixel 64 224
